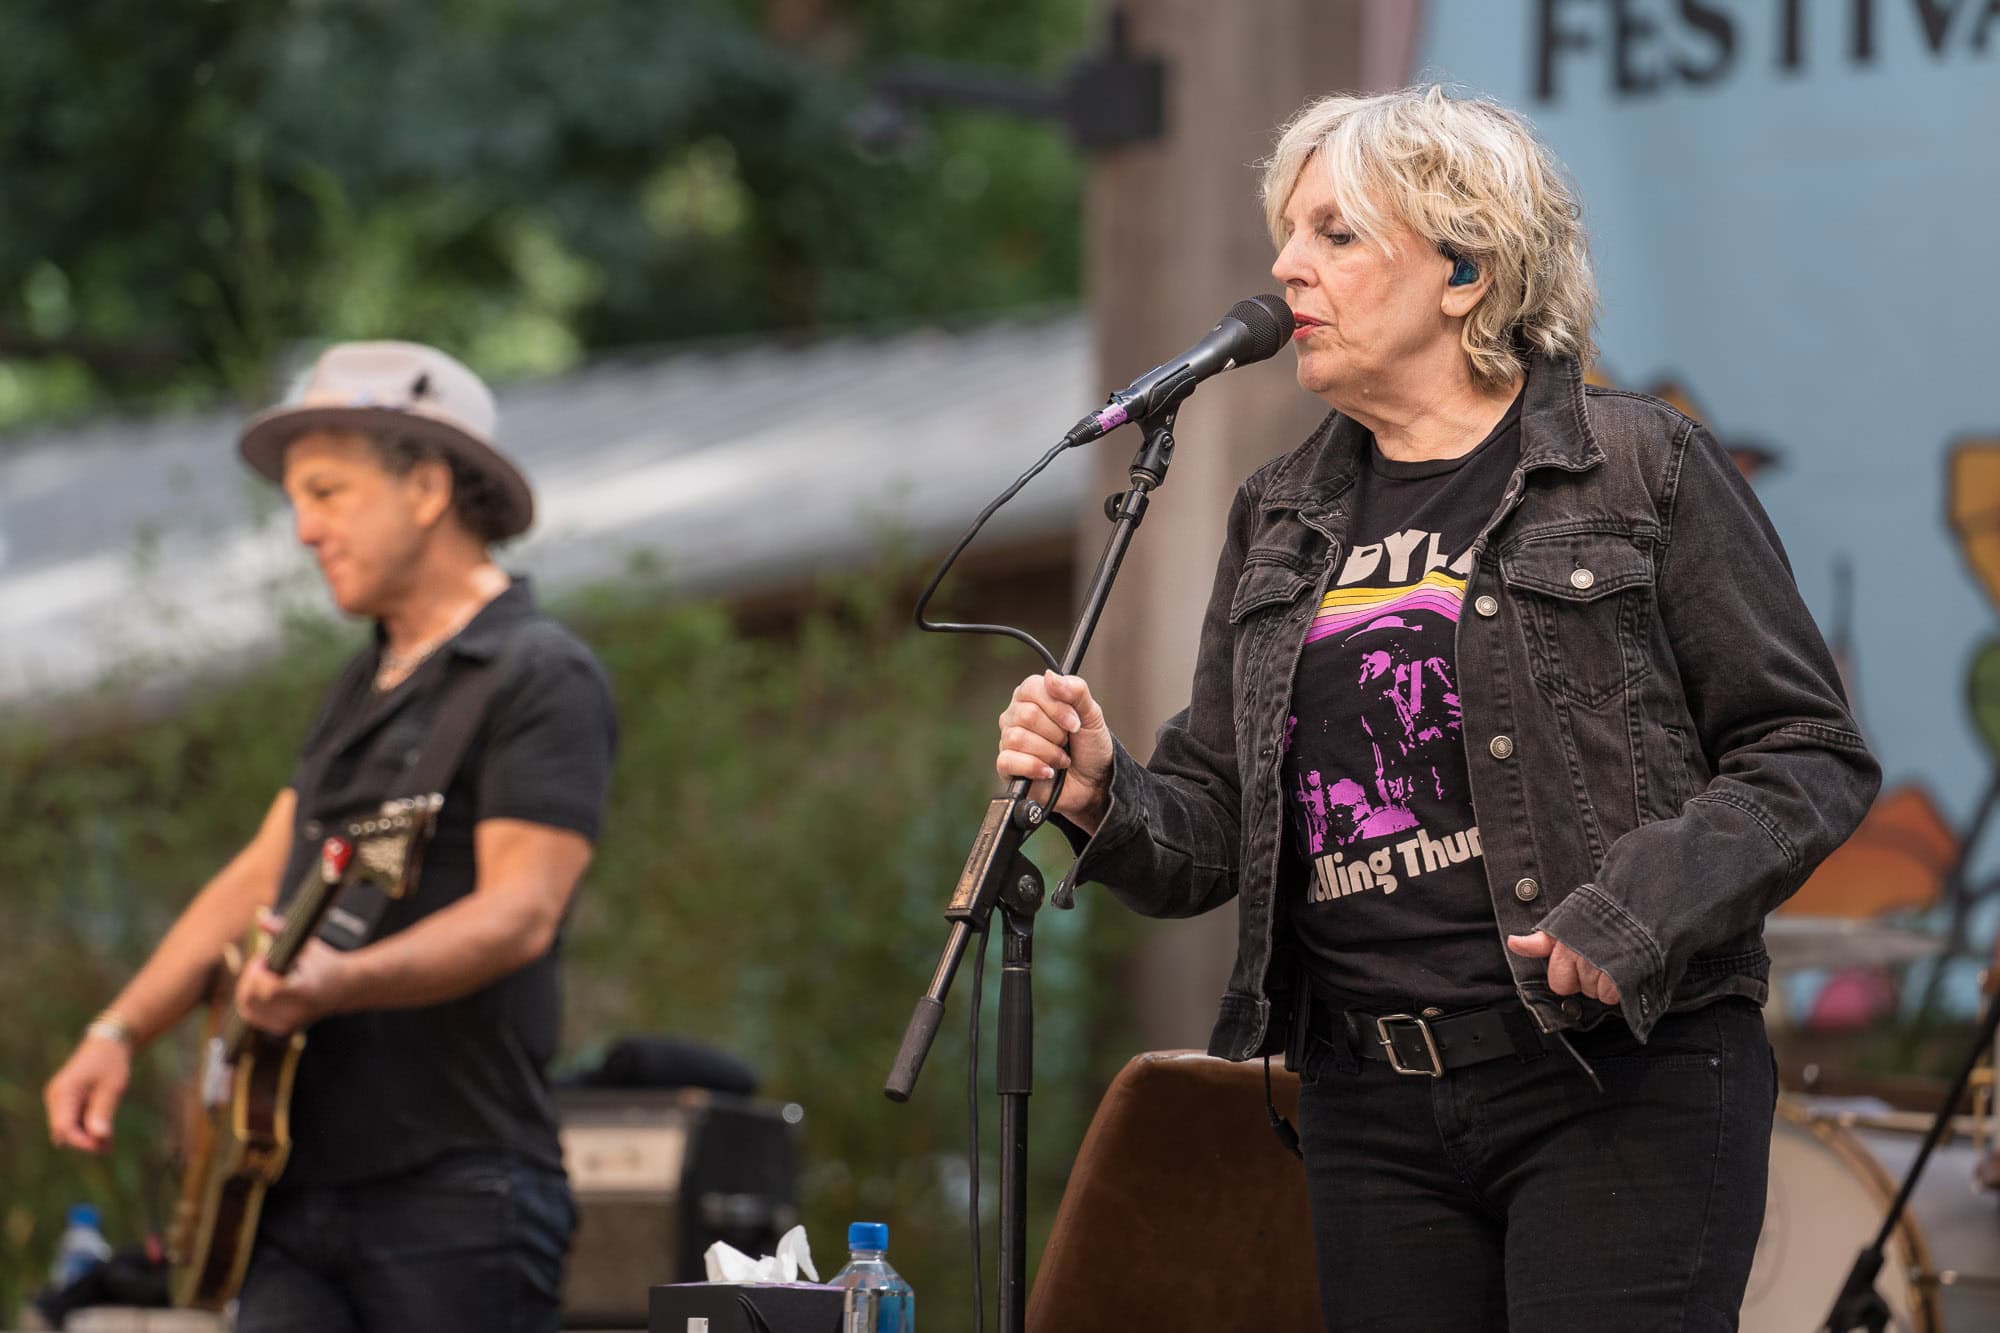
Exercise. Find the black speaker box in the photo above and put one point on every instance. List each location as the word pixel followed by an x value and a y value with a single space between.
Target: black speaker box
pixel 659 1176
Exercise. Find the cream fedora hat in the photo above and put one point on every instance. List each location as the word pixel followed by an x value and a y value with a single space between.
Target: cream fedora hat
pixel 393 388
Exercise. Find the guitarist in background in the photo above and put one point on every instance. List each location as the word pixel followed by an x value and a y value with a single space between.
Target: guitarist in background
pixel 425 1187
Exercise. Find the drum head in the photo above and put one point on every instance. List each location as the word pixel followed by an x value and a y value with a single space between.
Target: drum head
pixel 1827 1198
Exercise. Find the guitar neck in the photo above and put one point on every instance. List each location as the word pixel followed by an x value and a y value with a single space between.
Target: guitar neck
pixel 308 908
pixel 302 918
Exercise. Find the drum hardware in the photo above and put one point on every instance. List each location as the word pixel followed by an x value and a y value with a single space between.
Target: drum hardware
pixel 1982 1133
pixel 1860 1306
pixel 1987 1172
pixel 1811 943
pixel 1951 1277
pixel 1879 1115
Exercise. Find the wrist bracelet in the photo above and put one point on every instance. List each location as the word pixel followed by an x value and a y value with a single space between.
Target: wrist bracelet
pixel 110 1027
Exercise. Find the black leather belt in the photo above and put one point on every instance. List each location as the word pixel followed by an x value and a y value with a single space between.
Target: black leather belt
pixel 1418 1044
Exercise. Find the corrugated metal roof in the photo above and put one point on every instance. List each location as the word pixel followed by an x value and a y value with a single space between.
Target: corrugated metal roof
pixel 738 468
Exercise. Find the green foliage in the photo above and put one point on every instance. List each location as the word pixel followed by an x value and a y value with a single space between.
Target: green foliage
pixel 789 813
pixel 1983 693
pixel 518 180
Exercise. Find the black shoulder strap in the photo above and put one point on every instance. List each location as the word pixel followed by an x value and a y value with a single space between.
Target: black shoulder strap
pixel 353 917
pixel 457 721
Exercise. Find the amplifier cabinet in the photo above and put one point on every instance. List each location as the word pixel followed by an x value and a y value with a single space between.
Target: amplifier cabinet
pixel 658 1178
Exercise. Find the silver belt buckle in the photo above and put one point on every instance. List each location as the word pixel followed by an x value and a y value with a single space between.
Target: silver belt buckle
pixel 1395 1057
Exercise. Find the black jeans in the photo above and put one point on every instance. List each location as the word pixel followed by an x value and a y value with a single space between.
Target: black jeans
pixel 471 1243
pixel 1514 1195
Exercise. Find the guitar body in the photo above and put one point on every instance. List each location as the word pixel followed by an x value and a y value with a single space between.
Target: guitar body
pixel 239 1138
pixel 238 1127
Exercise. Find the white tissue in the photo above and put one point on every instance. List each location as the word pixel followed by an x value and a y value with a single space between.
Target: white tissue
pixel 726 1263
pixel 797 1255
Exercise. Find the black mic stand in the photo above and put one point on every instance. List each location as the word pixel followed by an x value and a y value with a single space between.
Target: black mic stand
pixel 1859 1305
pixel 997 874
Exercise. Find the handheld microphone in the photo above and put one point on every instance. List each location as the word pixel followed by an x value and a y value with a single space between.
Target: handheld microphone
pixel 1253 330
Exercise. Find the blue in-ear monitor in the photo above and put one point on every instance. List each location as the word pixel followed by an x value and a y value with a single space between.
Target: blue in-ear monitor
pixel 1463 273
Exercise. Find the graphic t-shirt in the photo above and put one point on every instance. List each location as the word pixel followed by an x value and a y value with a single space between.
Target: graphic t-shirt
pixel 1394 909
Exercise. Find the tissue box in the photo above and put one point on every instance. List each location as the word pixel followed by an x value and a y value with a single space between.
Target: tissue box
pixel 717 1307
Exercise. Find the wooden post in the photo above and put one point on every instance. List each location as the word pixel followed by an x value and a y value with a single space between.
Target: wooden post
pixel 1175 237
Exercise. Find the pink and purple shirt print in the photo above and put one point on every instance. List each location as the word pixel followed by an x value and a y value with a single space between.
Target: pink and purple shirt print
pixel 1397 644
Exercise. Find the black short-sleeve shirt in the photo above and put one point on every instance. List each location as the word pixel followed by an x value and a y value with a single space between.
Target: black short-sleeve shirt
pixel 384 1091
pixel 1394 910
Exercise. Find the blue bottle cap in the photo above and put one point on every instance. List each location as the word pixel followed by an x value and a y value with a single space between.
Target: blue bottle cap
pixel 83 1215
pixel 867 1235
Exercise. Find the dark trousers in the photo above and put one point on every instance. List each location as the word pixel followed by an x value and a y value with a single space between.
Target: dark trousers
pixel 472 1243
pixel 1514 1195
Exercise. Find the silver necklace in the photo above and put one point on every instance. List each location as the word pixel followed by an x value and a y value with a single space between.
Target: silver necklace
pixel 394 668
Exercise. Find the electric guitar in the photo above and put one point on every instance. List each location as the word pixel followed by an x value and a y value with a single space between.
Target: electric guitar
pixel 238 1126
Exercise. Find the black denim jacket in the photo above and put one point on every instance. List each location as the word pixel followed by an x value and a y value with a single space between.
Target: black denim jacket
pixel 1659 746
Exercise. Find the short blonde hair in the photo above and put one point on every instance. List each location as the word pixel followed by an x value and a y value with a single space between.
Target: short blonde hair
pixel 1468 176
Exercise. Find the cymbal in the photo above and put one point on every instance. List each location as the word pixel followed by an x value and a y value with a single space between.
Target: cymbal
pixel 1799 943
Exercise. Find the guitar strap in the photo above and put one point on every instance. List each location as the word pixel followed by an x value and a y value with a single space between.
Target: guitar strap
pixel 352 919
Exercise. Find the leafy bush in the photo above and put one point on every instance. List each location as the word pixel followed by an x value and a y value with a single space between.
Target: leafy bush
pixel 519 181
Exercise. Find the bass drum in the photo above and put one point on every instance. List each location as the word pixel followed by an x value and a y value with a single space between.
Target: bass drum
pixel 1834 1174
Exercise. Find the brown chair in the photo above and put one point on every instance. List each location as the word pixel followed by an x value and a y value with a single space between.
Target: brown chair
pixel 1183 1211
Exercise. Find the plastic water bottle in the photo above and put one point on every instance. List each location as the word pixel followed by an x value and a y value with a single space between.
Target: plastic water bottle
pixel 81 1248
pixel 878 1300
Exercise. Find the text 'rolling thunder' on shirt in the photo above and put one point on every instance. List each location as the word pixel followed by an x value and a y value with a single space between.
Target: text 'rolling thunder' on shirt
pixel 1394 910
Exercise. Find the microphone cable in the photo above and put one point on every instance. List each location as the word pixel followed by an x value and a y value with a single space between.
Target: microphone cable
pixel 951 558
pixel 1252 331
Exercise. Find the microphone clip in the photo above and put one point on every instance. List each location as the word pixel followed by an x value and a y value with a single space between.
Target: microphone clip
pixel 1149 465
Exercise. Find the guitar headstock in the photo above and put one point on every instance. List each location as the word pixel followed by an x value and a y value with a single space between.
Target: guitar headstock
pixel 388 845
pixel 383 850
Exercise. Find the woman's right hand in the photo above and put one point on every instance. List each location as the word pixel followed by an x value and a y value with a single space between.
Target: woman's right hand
pixel 1053 723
